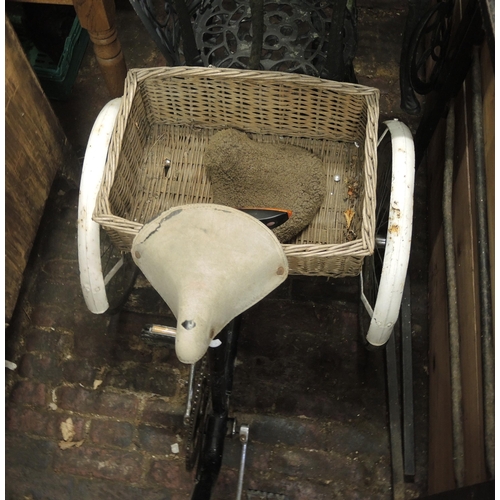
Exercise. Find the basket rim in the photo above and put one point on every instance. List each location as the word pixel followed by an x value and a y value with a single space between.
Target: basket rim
pixel 362 246
pixel 141 74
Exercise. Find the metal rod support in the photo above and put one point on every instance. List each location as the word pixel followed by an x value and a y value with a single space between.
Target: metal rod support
pixel 244 442
pixel 189 403
pixel 407 372
pixel 394 407
pixel 486 314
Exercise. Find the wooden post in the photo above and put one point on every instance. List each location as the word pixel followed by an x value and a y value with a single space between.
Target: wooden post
pixel 98 18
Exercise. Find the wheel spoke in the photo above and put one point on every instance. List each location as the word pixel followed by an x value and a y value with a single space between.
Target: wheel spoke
pixel 113 271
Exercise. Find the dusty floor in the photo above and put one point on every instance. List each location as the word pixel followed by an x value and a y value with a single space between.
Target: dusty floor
pixel 315 399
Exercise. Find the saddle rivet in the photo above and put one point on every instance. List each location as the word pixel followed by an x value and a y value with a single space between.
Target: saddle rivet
pixel 280 271
pixel 137 254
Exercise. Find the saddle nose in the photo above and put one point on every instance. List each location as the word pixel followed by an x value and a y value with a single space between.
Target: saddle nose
pixel 209 263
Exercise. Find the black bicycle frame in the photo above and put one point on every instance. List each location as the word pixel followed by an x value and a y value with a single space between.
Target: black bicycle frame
pixel 221 363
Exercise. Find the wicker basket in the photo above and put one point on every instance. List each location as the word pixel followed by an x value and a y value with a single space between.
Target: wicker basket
pixel 171 113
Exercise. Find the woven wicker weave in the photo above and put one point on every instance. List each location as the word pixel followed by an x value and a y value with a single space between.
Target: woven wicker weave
pixel 171 113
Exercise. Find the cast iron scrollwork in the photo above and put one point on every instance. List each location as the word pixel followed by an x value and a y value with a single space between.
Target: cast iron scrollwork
pixel 313 37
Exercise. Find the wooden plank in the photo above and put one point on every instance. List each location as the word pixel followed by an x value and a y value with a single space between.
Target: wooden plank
pixel 441 476
pixel 488 80
pixel 35 147
pixel 440 466
pixel 440 421
pixel 465 236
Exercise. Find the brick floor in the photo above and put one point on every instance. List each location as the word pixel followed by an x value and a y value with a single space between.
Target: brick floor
pixel 315 399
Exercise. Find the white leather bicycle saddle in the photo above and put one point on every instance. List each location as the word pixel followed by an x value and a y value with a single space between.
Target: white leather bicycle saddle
pixel 209 263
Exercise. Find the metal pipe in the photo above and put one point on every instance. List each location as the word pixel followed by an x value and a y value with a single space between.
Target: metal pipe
pixel 189 403
pixel 167 331
pixel 394 407
pixel 244 430
pixel 407 375
pixel 456 376
pixel 486 321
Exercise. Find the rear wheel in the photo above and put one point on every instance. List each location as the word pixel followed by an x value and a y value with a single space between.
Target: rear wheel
pixel 384 272
pixel 106 274
pixel 119 273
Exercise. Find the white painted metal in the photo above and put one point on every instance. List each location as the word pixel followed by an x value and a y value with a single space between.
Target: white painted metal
pixel 398 241
pixel 89 250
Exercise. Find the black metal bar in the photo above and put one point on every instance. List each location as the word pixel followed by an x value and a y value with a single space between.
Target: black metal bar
pixel 222 369
pixel 334 68
pixel 222 360
pixel 191 52
pixel 394 418
pixel 407 373
pixel 486 313
pixel 211 458
pixel 257 10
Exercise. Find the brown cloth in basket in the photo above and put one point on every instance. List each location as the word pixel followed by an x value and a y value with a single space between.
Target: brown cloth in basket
pixel 245 173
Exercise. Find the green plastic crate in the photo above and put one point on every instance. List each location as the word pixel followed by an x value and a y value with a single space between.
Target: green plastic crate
pixel 56 77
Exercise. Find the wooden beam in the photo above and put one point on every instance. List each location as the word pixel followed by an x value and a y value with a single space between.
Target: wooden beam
pixel 440 468
pixel 35 148
pixel 488 79
pixel 465 236
pixel 98 18
pixel 441 476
